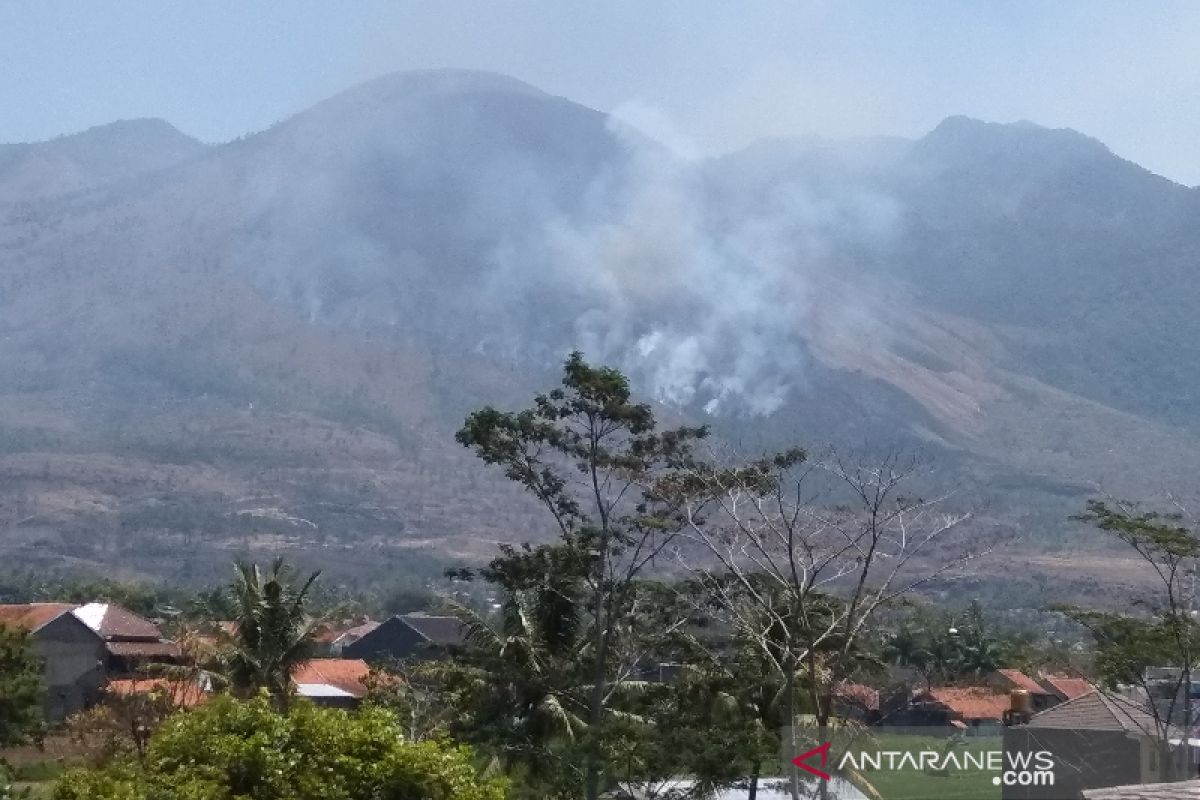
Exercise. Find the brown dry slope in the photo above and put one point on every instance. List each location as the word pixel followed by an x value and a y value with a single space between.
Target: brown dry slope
pixel 268 344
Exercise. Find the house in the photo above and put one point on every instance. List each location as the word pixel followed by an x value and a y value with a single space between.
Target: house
pixel 1010 680
pixel 1066 687
pixel 1097 740
pixel 407 636
pixel 130 641
pixel 74 655
pixel 179 692
pixel 332 682
pixel 350 636
pixel 977 710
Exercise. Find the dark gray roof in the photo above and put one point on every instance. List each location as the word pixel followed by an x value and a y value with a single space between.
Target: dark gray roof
pixel 1182 790
pixel 438 630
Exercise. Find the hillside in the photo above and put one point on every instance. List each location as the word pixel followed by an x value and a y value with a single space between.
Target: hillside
pixel 267 344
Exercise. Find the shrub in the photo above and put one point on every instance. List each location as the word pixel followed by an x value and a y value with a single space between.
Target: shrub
pixel 245 749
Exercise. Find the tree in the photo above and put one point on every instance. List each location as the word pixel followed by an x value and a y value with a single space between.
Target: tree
pixel 520 682
pixel 523 681
pixel 231 748
pixel 21 688
pixel 802 580
pixel 122 724
pixel 731 694
pixel 417 700
pixel 596 462
pixel 273 631
pixel 1169 636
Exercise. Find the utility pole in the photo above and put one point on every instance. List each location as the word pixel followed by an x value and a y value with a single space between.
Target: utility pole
pixel 1189 656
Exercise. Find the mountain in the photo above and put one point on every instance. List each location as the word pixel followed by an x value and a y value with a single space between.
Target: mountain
pixel 267 344
pixel 99 155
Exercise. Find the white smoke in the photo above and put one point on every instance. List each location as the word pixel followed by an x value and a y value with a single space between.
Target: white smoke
pixel 450 219
pixel 701 301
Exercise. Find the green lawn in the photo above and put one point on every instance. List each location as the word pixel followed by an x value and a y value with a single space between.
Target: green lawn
pixel 913 784
pixel 37 777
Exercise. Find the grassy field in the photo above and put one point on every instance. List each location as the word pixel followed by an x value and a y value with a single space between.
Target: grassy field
pixel 36 768
pixel 37 777
pixel 914 784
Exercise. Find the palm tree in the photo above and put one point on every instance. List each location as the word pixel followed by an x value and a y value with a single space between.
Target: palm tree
pixel 272 633
pixel 520 680
pixel 525 679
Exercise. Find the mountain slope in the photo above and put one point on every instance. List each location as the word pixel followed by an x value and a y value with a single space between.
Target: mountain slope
pixel 268 344
pixel 92 158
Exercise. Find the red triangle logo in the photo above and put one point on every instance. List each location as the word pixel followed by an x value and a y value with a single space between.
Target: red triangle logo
pixel 823 752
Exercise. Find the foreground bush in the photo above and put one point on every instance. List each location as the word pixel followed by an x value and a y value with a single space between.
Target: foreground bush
pixel 244 749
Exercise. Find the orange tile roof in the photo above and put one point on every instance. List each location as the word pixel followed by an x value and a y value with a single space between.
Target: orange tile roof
pixel 971 702
pixel 1067 687
pixel 345 673
pixel 859 695
pixel 32 616
pixel 1020 680
pixel 182 693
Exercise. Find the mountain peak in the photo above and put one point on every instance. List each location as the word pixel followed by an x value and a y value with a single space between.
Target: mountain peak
pixel 959 138
pixel 396 88
pixel 92 157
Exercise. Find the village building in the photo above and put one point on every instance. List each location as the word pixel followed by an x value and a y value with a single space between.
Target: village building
pixel 406 637
pixel 332 682
pixel 1066 687
pixel 328 682
pixel 974 710
pixel 83 647
pixel 73 655
pixel 1013 680
pixel 1097 740
pixel 131 642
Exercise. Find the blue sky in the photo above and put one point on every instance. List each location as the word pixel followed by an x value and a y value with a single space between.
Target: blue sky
pixel 706 76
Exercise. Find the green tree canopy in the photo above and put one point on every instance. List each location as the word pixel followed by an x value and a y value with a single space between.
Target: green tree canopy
pixel 606 475
pixel 231 749
pixel 21 688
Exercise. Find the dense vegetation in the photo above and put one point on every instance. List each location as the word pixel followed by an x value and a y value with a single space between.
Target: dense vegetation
pixel 246 749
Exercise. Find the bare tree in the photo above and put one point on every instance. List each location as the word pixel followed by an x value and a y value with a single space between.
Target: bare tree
pixel 800 556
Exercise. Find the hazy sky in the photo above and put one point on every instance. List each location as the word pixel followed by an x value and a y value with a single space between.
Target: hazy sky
pixel 707 76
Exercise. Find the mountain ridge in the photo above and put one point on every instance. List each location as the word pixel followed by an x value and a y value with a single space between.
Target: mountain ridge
pixel 268 343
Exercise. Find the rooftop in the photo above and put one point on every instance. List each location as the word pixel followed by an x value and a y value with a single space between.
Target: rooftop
pixel 32 616
pixel 142 649
pixel 438 630
pixel 181 693
pixel 1020 680
pixel 970 702
pixel 114 622
pixel 321 690
pixel 1182 790
pixel 859 695
pixel 1067 687
pixel 355 633
pixel 1096 711
pixel 348 674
